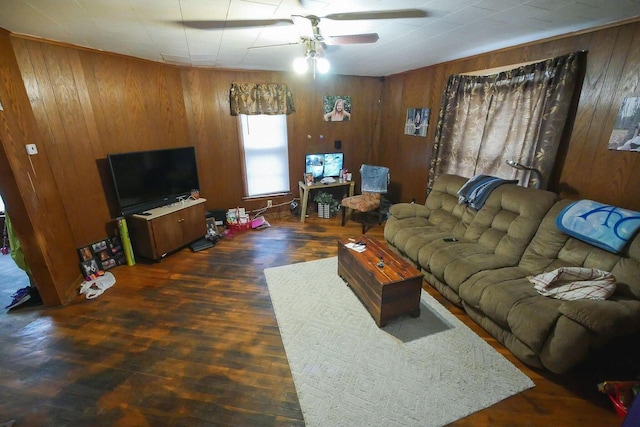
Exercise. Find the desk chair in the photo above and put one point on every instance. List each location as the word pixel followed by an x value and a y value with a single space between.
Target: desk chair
pixel 371 207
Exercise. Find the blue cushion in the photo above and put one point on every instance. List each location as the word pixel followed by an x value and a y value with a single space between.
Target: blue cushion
pixel 604 226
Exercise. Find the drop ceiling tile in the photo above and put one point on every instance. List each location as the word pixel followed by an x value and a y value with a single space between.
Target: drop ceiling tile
pixel 144 28
pixel 468 15
pixel 450 5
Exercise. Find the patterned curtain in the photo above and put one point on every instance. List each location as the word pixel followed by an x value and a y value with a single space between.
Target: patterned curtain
pixel 260 98
pixel 517 115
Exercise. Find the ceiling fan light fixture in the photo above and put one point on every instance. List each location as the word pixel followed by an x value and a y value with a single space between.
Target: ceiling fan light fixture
pixel 300 65
pixel 322 65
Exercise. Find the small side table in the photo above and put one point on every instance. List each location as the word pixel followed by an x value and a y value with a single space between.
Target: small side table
pixel 305 189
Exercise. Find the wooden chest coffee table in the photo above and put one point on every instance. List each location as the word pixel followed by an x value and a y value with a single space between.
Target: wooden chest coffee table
pixel 387 290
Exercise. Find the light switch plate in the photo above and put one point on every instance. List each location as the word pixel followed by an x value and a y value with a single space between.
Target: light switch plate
pixel 31 149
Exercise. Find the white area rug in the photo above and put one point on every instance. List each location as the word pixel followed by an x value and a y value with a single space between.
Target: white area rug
pixel 425 371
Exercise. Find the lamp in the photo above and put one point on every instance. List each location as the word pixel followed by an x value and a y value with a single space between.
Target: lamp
pixel 311 57
pixel 536 172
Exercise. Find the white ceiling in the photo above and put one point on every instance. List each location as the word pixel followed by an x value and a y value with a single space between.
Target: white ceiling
pixel 452 29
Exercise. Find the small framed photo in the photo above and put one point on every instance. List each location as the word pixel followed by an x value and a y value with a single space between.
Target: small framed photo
pixel 115 245
pixel 99 246
pixel 90 269
pixel 336 108
pixel 85 253
pixel 212 228
pixel 108 263
pixel 417 122
pixel 625 135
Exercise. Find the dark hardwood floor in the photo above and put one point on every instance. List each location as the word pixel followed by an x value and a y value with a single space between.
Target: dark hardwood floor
pixel 193 341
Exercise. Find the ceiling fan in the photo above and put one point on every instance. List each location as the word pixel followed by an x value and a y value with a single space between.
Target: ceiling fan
pixel 310 25
pixel 311 36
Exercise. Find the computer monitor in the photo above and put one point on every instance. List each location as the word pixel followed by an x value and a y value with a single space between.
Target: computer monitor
pixel 322 165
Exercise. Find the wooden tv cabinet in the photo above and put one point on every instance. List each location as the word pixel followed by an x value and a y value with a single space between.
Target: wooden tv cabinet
pixel 166 229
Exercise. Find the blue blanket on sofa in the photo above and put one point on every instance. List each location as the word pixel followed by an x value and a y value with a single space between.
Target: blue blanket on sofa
pixel 476 191
pixel 604 226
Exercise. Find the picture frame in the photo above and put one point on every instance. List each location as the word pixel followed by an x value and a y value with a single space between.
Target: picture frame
pixel 625 135
pixel 115 245
pixel 85 253
pixel 98 246
pixel 336 108
pixel 212 228
pixel 417 122
pixel 91 269
pixel 109 263
pixel 101 255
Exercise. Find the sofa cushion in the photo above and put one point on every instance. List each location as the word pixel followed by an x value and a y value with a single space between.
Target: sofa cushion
pixel 441 212
pixel 509 219
pixel 421 238
pixel 496 237
pixel 508 298
pixel 457 262
pixel 615 317
pixel 494 292
pixel 409 210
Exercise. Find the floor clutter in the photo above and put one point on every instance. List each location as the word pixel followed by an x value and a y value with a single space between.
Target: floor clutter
pixel 96 287
pixel 23 297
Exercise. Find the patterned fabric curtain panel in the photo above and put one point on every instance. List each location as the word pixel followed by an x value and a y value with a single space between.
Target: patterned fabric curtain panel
pixel 260 98
pixel 518 115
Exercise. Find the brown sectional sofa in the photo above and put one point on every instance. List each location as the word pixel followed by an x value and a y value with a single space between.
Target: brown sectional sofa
pixel 485 271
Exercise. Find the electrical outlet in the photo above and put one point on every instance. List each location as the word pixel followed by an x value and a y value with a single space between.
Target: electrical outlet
pixel 31 149
pixel 269 203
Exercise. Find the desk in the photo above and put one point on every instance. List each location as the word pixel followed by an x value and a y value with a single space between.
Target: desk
pixel 305 189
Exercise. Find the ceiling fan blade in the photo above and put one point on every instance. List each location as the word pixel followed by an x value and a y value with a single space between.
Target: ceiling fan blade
pixel 303 24
pixel 352 39
pixel 241 23
pixel 274 45
pixel 383 14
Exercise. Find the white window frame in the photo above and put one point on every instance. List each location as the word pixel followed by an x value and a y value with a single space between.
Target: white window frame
pixel 265 154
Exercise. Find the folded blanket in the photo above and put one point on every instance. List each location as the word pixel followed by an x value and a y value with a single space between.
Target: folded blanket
pixel 374 178
pixel 572 283
pixel 476 191
pixel 607 227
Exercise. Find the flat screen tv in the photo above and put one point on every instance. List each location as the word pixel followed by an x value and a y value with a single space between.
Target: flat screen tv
pixel 148 179
pixel 324 164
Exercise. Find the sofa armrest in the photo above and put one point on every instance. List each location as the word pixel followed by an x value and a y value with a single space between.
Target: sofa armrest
pixel 605 317
pixel 409 210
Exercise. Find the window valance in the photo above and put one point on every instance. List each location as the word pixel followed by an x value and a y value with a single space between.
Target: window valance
pixel 261 98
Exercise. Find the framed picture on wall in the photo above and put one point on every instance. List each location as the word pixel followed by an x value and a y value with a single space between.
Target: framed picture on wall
pixel 417 122
pixel 336 108
pixel 625 135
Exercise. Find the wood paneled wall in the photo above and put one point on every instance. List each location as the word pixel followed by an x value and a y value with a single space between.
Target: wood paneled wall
pixel 585 168
pixel 30 191
pixel 78 105
pixel 87 104
pixel 214 131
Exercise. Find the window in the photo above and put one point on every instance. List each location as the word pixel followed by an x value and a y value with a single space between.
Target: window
pixel 266 155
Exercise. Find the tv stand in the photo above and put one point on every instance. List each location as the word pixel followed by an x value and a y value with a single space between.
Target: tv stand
pixel 157 232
